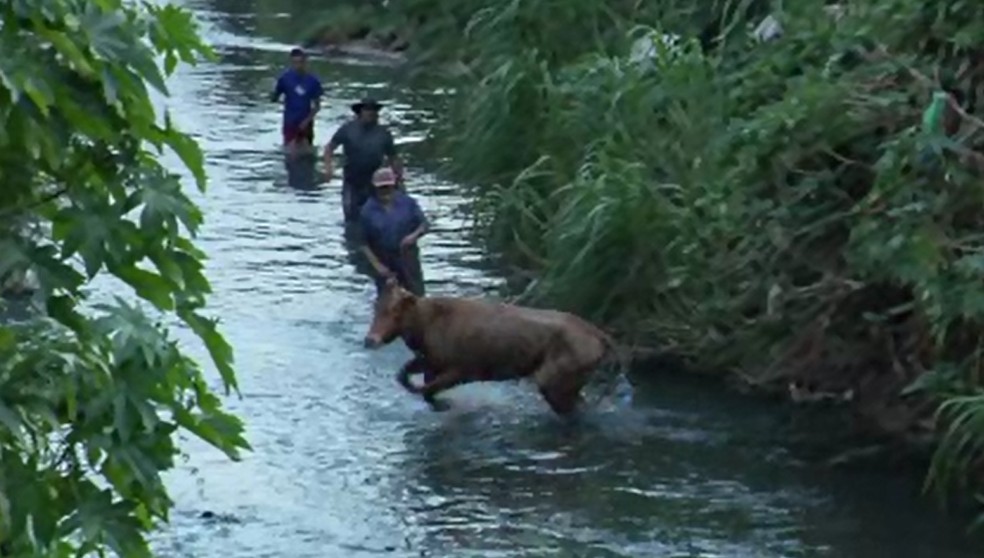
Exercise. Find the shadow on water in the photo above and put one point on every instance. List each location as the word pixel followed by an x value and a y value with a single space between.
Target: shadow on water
pixel 301 172
pixel 347 464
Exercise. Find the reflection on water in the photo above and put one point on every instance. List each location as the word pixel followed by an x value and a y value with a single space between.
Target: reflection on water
pixel 301 172
pixel 347 464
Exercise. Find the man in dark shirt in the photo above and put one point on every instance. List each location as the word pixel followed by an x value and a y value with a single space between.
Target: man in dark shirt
pixel 302 92
pixel 366 144
pixel 392 223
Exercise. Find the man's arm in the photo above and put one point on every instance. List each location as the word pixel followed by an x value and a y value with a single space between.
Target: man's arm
pixel 393 158
pixel 423 225
pixel 374 262
pixel 278 90
pixel 367 250
pixel 338 138
pixel 316 94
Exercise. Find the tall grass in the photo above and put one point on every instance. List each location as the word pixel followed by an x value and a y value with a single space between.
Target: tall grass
pixel 762 209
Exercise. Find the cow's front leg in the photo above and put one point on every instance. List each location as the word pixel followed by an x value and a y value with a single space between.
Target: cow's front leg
pixel 416 365
pixel 442 381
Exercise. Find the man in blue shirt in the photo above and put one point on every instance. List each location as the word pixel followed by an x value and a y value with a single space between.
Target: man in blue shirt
pixel 392 222
pixel 366 144
pixel 302 92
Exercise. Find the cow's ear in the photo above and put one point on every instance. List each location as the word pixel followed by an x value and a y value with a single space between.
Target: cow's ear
pixel 407 298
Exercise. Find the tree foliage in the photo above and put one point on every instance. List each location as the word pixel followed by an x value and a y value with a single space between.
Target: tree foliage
pixel 93 393
pixel 775 209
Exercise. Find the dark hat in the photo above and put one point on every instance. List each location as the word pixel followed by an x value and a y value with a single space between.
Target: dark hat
pixel 367 102
pixel 297 52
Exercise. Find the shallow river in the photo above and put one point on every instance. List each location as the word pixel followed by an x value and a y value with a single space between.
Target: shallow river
pixel 346 464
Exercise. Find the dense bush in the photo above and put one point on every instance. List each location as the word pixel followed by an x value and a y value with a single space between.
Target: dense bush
pixel 348 21
pixel 776 209
pixel 93 396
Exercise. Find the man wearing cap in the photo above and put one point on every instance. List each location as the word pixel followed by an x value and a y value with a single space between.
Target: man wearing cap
pixel 302 92
pixel 366 144
pixel 392 223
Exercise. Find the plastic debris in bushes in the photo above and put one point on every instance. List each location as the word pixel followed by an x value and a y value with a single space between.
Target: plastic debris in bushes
pixel 769 29
pixel 651 45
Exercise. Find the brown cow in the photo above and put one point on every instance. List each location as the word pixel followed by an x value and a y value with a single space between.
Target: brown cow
pixel 457 341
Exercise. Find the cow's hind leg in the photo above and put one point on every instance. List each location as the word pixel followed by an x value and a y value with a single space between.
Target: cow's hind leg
pixel 560 382
pixel 562 399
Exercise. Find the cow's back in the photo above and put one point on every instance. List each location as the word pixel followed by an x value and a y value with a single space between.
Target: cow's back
pixel 578 331
pixel 502 339
pixel 482 337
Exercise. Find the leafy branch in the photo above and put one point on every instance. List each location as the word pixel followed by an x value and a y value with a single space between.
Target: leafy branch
pixel 92 395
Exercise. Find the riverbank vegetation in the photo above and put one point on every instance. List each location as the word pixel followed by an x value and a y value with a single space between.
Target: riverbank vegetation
pixel 767 203
pixel 93 394
pixel 367 24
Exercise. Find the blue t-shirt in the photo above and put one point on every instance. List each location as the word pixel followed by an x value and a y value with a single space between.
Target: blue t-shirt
pixel 299 91
pixel 383 229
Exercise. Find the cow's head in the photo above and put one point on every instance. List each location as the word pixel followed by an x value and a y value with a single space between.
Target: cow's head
pixel 391 307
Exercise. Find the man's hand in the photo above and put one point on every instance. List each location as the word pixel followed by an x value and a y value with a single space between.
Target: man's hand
pixel 408 241
pixel 386 273
pixel 328 171
pixel 398 174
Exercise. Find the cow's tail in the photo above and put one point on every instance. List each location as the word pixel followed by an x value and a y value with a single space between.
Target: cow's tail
pixel 613 368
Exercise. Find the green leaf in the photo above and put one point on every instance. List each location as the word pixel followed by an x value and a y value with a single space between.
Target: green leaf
pixel 39 93
pixel 143 61
pixel 69 49
pixel 121 418
pixel 148 286
pixel 169 269
pixel 62 308
pixel 220 430
pixel 12 422
pixel 7 339
pixel 220 350
pixel 190 153
pixel 170 63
